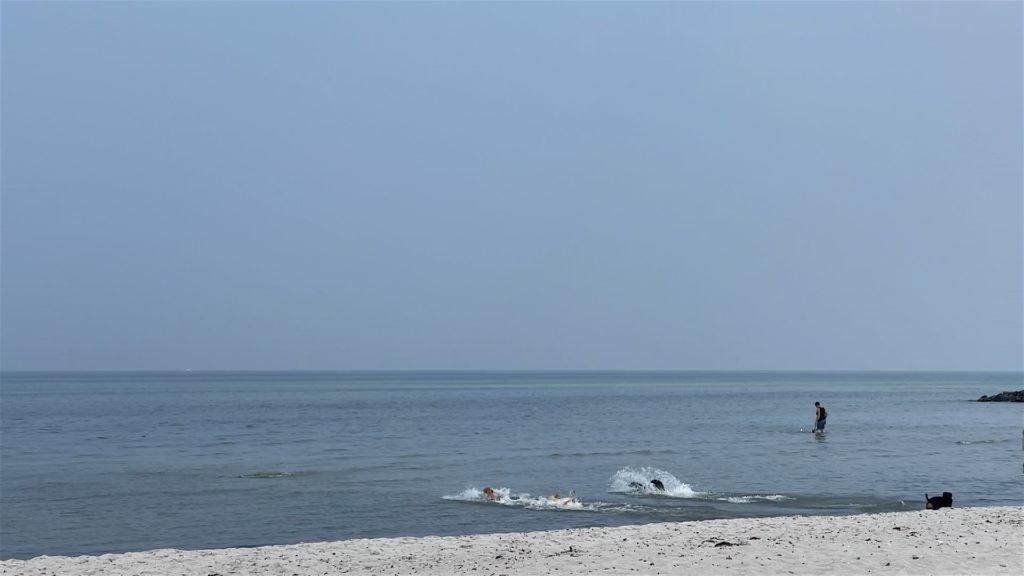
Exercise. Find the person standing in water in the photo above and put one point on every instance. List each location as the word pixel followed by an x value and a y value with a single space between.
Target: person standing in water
pixel 820 414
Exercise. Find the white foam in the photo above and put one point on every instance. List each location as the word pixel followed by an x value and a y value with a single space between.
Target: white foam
pixel 506 497
pixel 754 498
pixel 622 480
pixel 552 503
pixel 474 494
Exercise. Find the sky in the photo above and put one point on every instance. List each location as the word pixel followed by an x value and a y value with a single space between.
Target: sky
pixel 511 186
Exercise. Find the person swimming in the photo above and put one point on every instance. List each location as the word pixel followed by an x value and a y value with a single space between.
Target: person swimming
pixel 490 495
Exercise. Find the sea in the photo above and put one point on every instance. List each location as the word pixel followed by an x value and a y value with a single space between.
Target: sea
pixel 94 463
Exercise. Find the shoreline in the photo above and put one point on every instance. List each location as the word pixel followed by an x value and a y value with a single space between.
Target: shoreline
pixel 947 541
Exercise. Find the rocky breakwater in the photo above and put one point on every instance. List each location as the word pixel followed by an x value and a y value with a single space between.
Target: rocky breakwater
pixel 1017 396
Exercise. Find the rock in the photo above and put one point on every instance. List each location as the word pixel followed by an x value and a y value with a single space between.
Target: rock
pixel 1017 396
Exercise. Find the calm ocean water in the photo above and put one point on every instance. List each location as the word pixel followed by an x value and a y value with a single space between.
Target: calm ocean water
pixel 93 463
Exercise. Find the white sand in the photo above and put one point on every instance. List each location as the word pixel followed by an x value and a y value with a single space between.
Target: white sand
pixel 948 541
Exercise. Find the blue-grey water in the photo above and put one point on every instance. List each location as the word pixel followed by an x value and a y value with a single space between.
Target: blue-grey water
pixel 93 463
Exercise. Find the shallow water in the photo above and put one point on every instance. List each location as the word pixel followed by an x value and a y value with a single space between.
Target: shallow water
pixel 95 463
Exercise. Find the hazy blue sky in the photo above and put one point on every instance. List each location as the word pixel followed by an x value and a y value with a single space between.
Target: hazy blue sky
pixel 512 186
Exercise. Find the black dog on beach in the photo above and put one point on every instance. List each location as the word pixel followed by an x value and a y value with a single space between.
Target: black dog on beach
pixel 936 502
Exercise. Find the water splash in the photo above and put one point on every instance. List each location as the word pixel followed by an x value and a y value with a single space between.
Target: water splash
pixel 631 480
pixel 505 497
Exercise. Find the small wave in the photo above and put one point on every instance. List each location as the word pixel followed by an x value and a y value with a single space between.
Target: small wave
pixel 968 442
pixel 867 506
pixel 268 475
pixel 631 480
pixel 754 498
pixel 618 453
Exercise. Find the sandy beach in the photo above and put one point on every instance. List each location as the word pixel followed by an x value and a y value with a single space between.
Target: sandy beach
pixel 947 541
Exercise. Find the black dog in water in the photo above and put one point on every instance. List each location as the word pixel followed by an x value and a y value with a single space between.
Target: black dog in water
pixel 654 482
pixel 936 502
